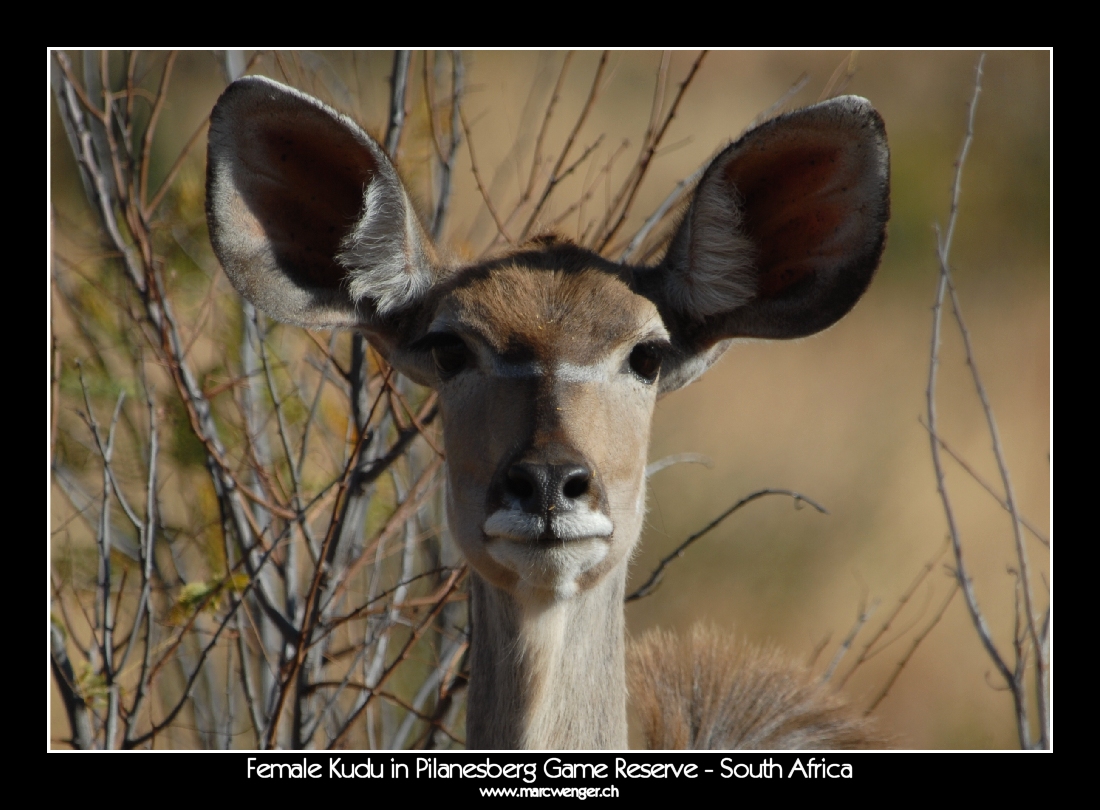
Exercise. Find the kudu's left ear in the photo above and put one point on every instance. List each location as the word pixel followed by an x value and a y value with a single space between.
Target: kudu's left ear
pixel 308 216
pixel 782 237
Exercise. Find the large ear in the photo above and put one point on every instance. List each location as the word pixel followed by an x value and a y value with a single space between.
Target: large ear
pixel 783 235
pixel 307 213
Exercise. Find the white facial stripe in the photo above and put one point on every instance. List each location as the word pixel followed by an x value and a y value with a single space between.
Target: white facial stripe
pixel 588 373
pixel 656 329
pixel 563 372
pixel 515 524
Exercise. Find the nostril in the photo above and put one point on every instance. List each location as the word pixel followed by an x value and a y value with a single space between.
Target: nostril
pixel 576 484
pixel 519 483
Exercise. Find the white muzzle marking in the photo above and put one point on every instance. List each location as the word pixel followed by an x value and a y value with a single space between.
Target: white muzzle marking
pixel 515 524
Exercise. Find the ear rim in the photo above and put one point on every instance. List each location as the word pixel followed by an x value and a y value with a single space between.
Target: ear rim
pixel 808 306
pixel 386 259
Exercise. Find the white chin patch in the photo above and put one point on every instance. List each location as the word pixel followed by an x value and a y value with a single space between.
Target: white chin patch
pixel 555 565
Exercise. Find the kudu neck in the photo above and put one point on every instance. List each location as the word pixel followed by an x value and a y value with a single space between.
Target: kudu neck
pixel 547 673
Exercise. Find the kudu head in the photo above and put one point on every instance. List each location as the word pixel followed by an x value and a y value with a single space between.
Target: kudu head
pixel 548 360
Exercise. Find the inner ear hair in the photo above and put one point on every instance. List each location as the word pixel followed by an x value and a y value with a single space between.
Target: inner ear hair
pixel 307 213
pixel 785 229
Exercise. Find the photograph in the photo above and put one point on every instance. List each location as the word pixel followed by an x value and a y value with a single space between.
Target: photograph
pixel 539 400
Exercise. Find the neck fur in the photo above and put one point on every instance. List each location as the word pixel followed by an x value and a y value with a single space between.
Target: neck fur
pixel 546 672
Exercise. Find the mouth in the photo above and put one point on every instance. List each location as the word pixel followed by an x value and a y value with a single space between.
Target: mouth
pixel 550 552
pixel 525 527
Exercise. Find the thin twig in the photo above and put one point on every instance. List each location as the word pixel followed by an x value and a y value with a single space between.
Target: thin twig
pixel 588 193
pixel 866 652
pixel 780 102
pixel 536 156
pixel 865 613
pixel 965 584
pixel 448 164
pixel 659 213
pixel 418 494
pixel 316 402
pixel 399 86
pixel 151 128
pixel 369 605
pixel 427 688
pixel 912 649
pixel 625 199
pixel 445 592
pixel 189 684
pixel 481 186
pixel 554 178
pixel 842 75
pixel 986 486
pixel 1002 466
pixel 654 580
pixel 655 467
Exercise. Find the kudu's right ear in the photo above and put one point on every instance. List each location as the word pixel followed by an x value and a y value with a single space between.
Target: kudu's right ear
pixel 307 213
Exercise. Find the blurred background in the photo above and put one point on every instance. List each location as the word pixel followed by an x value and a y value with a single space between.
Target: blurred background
pixel 835 416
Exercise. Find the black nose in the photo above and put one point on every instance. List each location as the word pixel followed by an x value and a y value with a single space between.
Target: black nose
pixel 541 488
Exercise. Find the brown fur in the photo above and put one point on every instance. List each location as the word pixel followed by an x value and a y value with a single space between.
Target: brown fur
pixel 709 690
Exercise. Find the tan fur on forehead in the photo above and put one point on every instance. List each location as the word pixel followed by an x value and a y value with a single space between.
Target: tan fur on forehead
pixel 570 312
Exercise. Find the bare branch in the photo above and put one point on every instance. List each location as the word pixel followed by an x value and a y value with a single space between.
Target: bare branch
pixel 445 592
pixel 552 181
pixel 447 164
pixel 133 742
pixel 976 615
pixel 536 156
pixel 865 613
pixel 655 467
pixel 840 78
pixel 660 212
pixel 481 186
pixel 399 87
pixel 912 649
pixel 655 578
pixel 986 486
pixel 148 534
pixel 75 707
pixel 624 201
pixel 151 128
pixel 430 685
pixel 866 652
pixel 418 494
pixel 780 102
pixel 1002 466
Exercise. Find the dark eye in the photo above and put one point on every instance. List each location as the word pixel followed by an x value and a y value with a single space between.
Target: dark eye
pixel 645 361
pixel 450 355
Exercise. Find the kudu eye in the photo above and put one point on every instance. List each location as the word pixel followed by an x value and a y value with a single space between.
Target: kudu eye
pixel 449 352
pixel 645 361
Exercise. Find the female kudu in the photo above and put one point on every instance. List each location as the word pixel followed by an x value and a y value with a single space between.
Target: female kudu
pixel 548 361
